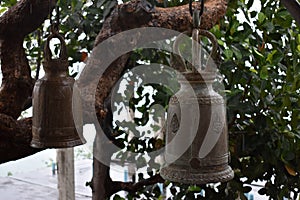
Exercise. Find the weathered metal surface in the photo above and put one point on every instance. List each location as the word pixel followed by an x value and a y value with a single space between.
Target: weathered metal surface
pixel 53 125
pixel 206 159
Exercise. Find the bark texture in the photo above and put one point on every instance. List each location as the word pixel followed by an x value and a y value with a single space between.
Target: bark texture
pixel 17 83
pixel 15 137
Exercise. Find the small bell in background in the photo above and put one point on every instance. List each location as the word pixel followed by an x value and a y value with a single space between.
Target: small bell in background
pixel 53 124
pixel 206 157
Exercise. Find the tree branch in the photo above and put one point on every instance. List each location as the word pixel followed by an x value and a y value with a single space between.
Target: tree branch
pixel 134 14
pixel 17 84
pixel 21 19
pixel 134 187
pixel 100 172
pixel 25 17
pixel 293 6
pixel 15 137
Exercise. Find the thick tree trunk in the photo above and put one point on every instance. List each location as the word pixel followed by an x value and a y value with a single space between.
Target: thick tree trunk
pixel 101 181
pixel 16 81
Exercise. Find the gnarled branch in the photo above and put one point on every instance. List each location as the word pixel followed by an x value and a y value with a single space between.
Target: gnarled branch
pixel 15 137
pixel 17 83
pixel 24 17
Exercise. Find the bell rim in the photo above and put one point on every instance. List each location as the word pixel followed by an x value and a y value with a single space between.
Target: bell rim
pixel 223 175
pixel 65 144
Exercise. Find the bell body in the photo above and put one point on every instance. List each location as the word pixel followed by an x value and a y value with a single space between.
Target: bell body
pixel 53 122
pixel 206 159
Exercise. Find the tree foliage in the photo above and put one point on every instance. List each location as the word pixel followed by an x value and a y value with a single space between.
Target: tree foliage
pixel 261 65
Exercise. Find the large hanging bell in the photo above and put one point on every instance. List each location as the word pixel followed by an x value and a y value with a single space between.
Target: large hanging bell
pixel 53 124
pixel 206 159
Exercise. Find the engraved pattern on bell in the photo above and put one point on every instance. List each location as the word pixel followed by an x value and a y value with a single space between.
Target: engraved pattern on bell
pixel 174 123
pixel 206 158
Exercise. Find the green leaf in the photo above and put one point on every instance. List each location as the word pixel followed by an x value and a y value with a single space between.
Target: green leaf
pixel 295 121
pixel 261 17
pixel 246 33
pixel 237 53
pixel 283 18
pixel 253 70
pixel 269 26
pixel 270 56
pixel 194 188
pixel 155 128
pixel 264 72
pixel 253 14
pixel 2 10
pixel 288 156
pixel 258 55
pixel 286 101
pixel 234 27
pixel 228 53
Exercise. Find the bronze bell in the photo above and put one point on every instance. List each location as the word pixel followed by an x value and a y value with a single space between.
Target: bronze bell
pixel 53 124
pixel 206 158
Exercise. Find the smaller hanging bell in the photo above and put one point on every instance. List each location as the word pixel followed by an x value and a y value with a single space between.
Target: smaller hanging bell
pixel 53 124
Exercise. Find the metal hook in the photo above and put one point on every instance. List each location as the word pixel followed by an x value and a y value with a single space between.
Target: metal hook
pixel 196 19
pixel 212 62
pixel 63 52
pixel 54 28
pixel 57 14
pixel 191 8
